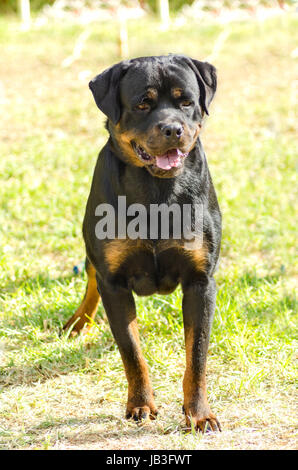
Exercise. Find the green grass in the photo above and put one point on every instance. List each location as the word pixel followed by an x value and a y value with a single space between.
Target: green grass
pixel 61 393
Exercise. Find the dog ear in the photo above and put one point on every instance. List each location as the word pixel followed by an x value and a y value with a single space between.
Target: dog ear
pixel 105 89
pixel 207 80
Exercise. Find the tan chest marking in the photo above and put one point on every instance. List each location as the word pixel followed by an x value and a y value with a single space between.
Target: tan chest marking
pixel 117 251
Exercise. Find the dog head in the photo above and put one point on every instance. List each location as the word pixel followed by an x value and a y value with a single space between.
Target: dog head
pixel 155 107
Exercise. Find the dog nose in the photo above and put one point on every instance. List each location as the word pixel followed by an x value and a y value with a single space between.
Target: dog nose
pixel 173 130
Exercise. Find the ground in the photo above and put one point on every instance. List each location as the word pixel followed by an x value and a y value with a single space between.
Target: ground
pixel 61 393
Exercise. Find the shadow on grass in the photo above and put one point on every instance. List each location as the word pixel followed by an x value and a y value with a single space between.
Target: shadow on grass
pixel 119 428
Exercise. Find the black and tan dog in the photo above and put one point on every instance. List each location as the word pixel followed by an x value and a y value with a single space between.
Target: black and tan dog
pixel 155 107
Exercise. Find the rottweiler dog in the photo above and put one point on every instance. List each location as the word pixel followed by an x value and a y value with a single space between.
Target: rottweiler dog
pixel 155 108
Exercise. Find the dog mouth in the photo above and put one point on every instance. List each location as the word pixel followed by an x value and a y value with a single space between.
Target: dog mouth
pixel 173 158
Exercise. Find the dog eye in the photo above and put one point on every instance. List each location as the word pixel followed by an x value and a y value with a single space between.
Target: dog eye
pixel 186 103
pixel 143 106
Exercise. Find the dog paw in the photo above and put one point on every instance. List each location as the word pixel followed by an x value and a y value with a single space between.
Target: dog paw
pixel 201 420
pixel 140 413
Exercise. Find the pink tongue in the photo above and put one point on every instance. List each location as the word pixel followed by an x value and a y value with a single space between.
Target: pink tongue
pixel 169 160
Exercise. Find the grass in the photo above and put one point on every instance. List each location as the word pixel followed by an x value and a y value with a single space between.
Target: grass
pixel 58 393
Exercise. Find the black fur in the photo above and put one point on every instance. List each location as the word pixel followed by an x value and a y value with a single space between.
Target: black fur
pixel 117 92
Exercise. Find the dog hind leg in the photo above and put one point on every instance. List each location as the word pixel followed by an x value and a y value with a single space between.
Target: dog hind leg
pixel 88 308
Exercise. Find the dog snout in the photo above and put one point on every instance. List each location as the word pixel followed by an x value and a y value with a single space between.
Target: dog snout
pixel 172 131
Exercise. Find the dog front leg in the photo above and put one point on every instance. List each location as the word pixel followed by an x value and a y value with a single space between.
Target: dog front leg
pixel 198 309
pixel 121 312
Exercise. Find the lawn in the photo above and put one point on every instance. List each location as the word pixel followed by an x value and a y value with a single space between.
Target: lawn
pixel 61 393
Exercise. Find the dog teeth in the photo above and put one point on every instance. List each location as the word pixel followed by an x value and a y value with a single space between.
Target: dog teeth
pixel 143 154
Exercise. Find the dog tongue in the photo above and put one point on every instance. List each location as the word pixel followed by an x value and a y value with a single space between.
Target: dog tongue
pixel 169 160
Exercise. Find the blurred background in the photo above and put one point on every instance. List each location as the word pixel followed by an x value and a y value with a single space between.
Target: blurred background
pixel 51 129
pixel 50 134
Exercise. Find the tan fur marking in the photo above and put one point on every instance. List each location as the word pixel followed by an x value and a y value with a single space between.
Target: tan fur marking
pixel 132 377
pixel 198 130
pixel 124 141
pixel 189 385
pixel 117 251
pixel 140 394
pixel 152 94
pixel 197 254
pixel 176 92
pixel 87 309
